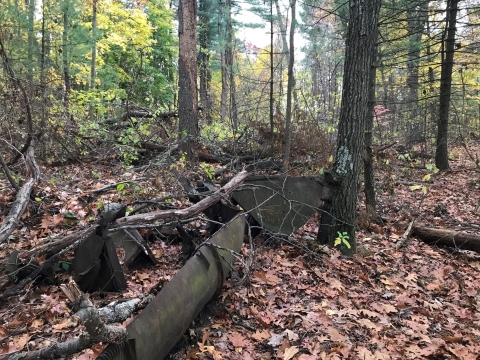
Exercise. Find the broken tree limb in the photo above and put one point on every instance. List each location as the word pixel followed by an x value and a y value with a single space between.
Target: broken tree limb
pixel 406 235
pixel 446 237
pixel 119 312
pixel 48 263
pixel 163 215
pixel 90 317
pixel 163 322
pixel 58 243
pixel 23 196
pixel 8 174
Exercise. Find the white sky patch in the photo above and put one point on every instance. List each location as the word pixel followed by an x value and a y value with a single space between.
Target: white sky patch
pixel 260 37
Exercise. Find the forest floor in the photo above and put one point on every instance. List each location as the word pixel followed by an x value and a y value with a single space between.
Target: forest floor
pixel 419 302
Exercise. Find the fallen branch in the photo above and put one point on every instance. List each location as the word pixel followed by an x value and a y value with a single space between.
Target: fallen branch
pixel 117 313
pixel 406 235
pixel 48 263
pixel 58 243
pixel 381 148
pixel 446 237
pixel 164 215
pixel 110 186
pixel 90 317
pixel 23 196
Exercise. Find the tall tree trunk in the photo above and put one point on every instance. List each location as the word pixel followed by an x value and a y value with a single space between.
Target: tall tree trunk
pixel 65 63
pixel 204 58
pixel 360 45
pixel 223 49
pixel 94 52
pixel 283 31
pixel 187 75
pixel 448 49
pixel 229 64
pixel 271 71
pixel 290 86
pixel 368 155
pixel 30 39
pixel 416 18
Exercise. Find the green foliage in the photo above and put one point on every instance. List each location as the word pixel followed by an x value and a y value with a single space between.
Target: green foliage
pixel 208 169
pixel 423 188
pixel 65 265
pixel 342 238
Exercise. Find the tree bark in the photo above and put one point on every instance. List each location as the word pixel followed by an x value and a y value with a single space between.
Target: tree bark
pixel 417 11
pixel 271 71
pixel 370 201
pixel 222 40
pixel 205 75
pixel 30 38
pixel 290 86
pixel 229 52
pixel 65 63
pixel 94 52
pixel 187 75
pixel 448 49
pixel 360 43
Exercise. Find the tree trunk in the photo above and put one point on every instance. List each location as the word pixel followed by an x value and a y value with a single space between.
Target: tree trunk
pixel 187 75
pixel 368 155
pixel 30 39
pixel 360 44
pixel 229 65
pixel 65 63
pixel 290 86
pixel 448 49
pixel 416 18
pixel 204 58
pixel 271 71
pixel 283 31
pixel 222 39
pixel 94 52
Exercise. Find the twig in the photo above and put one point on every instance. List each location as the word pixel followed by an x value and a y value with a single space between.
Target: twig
pixel 401 242
pixel 110 186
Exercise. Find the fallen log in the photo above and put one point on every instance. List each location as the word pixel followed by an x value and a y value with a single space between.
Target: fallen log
pixel 446 237
pixel 163 322
pixel 23 196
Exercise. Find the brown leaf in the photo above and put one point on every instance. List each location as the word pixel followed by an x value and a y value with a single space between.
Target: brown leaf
pixel 261 335
pixel 335 335
pixel 21 340
pixel 46 220
pixel 290 352
pixel 453 339
pixel 365 354
pixel 237 339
